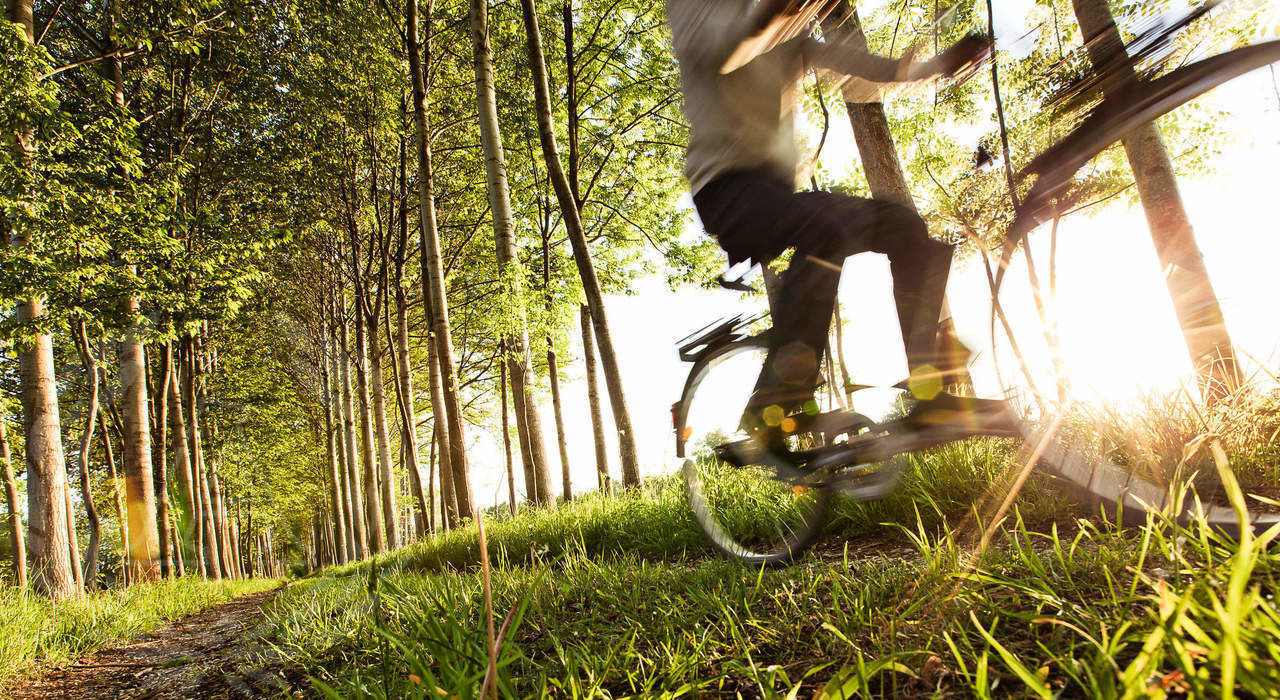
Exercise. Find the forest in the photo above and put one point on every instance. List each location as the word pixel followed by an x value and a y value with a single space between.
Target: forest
pixel 338 344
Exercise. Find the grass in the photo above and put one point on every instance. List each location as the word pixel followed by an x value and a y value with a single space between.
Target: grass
pixel 34 631
pixel 619 597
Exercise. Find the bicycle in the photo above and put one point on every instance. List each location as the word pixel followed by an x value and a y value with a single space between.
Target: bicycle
pixel 730 482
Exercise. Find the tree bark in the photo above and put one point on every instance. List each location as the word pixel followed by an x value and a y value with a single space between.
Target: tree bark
pixel 372 515
pixel 506 441
pixel 553 374
pixel 15 519
pixel 1194 301
pixel 160 415
pixel 340 446
pixel 108 455
pixel 386 476
pixel 90 577
pixel 581 254
pixel 139 482
pixel 46 465
pixel 404 382
pixel 210 553
pixel 339 517
pixel 188 518
pixel 448 502
pixel 504 241
pixel 73 545
pixel 349 428
pixel 603 480
pixel 433 283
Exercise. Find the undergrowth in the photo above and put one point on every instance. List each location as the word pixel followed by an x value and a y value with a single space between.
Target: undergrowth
pixel 618 597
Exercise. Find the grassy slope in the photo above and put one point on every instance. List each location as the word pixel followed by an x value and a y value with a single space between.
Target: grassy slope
pixel 34 631
pixel 619 597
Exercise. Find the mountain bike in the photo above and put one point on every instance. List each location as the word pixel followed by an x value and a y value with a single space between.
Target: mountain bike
pixel 768 506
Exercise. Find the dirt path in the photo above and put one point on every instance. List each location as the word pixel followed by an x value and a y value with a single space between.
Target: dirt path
pixel 215 653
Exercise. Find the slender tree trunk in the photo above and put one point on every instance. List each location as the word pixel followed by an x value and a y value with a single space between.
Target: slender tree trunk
pixel 339 440
pixel 536 489
pixel 431 484
pixel 1194 299
pixel 160 415
pixel 553 373
pixel 110 458
pixel 603 480
pixel 506 442
pixel 448 502
pixel 46 465
pixel 504 240
pixel 386 480
pixel 339 519
pixel 408 414
pixel 349 430
pixel 86 442
pixel 73 545
pixel 15 518
pixel 209 536
pixel 433 283
pixel 581 254
pixel 372 516
pixel 187 517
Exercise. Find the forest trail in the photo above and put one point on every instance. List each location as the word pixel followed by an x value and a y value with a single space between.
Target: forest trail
pixel 215 653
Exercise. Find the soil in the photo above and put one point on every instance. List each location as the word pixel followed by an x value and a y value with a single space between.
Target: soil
pixel 216 653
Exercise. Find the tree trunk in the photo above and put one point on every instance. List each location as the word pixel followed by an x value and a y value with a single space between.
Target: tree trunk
pixel 372 516
pixel 349 431
pixel 537 482
pixel 188 518
pixel 553 373
pixel 581 254
pixel 876 149
pixel 208 534
pixel 506 442
pixel 15 518
pixel 1194 300
pixel 448 503
pixel 73 545
pixel 46 465
pixel 408 413
pixel 160 414
pixel 139 482
pixel 386 480
pixel 86 442
pixel 504 240
pixel 603 480
pixel 336 494
pixel 433 286
pixel 108 455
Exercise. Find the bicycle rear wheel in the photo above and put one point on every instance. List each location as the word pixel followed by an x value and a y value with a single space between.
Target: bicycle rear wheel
pixel 762 512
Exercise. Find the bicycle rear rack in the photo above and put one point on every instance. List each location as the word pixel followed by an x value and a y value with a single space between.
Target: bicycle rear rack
pixel 715 334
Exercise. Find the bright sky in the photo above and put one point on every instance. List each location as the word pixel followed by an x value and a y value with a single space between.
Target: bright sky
pixel 1118 329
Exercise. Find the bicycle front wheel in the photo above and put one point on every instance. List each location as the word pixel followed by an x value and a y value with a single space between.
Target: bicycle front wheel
pixel 759 513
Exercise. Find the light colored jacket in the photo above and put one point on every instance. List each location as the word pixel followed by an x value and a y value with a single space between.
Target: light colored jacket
pixel 744 120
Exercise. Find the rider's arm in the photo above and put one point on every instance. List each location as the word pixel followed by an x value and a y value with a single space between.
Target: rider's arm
pixel 844 57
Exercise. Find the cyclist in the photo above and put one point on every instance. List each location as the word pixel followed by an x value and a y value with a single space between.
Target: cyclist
pixel 741 166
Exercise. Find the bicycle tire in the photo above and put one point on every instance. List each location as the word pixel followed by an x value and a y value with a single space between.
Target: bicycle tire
pixel 708 480
pixel 1099 481
pixel 1145 101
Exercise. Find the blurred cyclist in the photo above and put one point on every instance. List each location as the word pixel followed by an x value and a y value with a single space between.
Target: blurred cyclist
pixel 741 166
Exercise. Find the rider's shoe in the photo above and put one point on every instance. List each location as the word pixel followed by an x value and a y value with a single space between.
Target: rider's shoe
pixel 961 414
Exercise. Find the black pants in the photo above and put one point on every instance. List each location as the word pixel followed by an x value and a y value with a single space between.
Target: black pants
pixel 755 215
